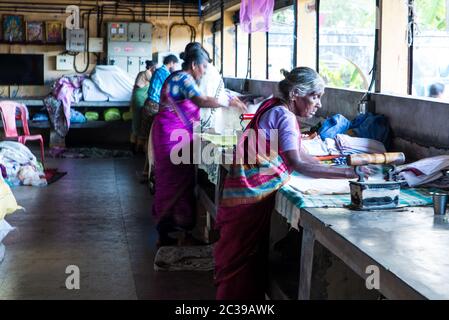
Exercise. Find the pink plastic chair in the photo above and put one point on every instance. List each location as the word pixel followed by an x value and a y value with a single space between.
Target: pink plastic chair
pixel 8 111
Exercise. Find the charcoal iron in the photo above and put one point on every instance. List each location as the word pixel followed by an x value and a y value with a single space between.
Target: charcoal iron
pixel 376 194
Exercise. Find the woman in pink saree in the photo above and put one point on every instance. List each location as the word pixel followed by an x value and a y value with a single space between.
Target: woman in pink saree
pixel 248 197
pixel 181 101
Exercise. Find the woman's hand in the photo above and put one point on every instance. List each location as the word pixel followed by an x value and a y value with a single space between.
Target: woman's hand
pixel 237 103
pixel 367 171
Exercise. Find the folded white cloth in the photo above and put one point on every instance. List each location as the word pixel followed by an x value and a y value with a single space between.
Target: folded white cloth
pixel 349 145
pixel 332 146
pixel 315 147
pixel 424 170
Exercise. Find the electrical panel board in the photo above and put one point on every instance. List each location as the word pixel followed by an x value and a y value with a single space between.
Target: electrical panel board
pixel 117 31
pixel 130 49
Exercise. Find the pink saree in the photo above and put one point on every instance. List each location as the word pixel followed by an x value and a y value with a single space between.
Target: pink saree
pixel 174 199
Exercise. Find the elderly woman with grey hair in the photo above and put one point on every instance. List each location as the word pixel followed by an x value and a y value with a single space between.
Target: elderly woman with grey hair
pixel 248 196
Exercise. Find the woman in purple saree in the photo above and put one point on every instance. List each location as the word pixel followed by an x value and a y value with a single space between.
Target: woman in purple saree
pixel 181 101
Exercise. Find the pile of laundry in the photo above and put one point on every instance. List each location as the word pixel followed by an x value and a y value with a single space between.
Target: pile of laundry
pixel 8 205
pixel 19 166
pixel 337 136
pixel 429 172
pixel 342 144
pixel 106 83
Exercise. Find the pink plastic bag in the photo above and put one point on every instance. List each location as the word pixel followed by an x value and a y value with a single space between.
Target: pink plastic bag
pixel 255 15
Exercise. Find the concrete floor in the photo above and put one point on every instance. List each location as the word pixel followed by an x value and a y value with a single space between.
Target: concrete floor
pixel 97 217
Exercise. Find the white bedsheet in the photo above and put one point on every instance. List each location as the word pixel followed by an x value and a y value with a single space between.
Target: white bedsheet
pixel 91 92
pixel 113 81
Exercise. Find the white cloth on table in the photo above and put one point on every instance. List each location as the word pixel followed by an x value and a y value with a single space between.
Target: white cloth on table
pixel 424 170
pixel 309 185
pixel 349 145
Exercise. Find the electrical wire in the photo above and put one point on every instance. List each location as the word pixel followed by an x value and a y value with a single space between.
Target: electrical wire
pixel 412 26
pixel 168 23
pixel 16 92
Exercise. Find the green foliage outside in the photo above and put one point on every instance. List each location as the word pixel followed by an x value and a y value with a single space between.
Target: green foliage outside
pixel 360 14
pixel 431 14
pixel 284 16
pixel 347 76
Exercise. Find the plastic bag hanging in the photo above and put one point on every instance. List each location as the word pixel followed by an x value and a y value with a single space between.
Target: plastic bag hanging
pixel 255 15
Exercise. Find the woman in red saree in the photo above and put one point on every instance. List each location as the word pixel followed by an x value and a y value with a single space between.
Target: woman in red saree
pixel 181 101
pixel 249 189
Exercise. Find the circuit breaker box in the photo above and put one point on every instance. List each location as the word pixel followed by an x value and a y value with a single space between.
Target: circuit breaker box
pixel 145 32
pixel 75 40
pixel 134 32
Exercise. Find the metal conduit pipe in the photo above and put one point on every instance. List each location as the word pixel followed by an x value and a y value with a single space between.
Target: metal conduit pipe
pixel 112 3
pixel 116 7
pixel 108 12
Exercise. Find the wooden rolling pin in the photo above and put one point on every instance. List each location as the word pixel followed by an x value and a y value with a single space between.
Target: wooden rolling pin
pixel 375 158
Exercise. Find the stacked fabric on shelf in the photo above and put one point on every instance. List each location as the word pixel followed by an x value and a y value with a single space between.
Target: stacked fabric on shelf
pixel 423 171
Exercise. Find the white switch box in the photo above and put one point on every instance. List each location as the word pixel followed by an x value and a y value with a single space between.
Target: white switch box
pixel 95 44
pixel 64 62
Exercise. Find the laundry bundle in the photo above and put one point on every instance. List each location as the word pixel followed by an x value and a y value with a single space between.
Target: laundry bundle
pixel 112 114
pixel 91 116
pixel 350 145
pixel 20 165
pixel 341 145
pixel 423 171
pixel 367 125
pixel 8 203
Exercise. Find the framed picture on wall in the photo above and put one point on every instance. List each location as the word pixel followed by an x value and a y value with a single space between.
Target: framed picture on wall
pixel 35 31
pixel 54 31
pixel 13 28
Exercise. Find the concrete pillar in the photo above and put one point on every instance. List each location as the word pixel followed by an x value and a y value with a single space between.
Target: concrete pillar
pixel 306 55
